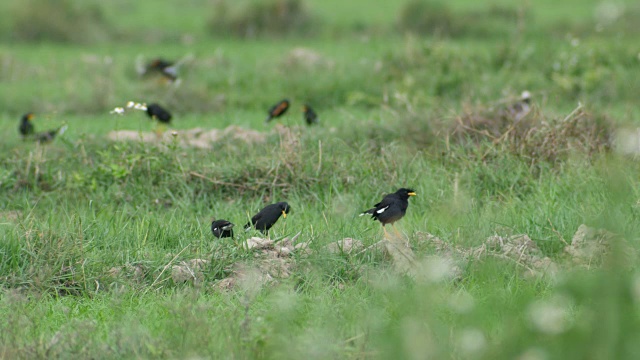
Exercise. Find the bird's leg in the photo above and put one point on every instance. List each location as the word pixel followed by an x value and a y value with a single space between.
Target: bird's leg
pixel 400 235
pixel 386 234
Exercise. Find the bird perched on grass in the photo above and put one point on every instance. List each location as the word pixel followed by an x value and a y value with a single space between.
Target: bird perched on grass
pixel 264 220
pixel 26 126
pixel 27 130
pixel 278 110
pixel 159 113
pixel 310 116
pixel 221 228
pixel 392 207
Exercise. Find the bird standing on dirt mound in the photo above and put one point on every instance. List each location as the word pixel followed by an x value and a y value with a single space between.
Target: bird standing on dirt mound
pixel 278 110
pixel 392 207
pixel 157 112
pixel 310 116
pixel 27 130
pixel 264 220
pixel 26 126
pixel 222 228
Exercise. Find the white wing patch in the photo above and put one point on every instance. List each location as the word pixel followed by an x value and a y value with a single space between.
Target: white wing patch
pixel 214 229
pixel 382 210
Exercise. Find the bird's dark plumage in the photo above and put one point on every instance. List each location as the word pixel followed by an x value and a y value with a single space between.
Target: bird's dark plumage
pixel 310 116
pixel 278 109
pixel 157 112
pixel 222 228
pixel 264 220
pixel 26 126
pixel 392 207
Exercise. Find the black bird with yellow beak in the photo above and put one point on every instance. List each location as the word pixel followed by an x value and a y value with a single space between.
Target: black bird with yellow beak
pixel 267 217
pixel 28 130
pixel 392 207
pixel 310 116
pixel 26 126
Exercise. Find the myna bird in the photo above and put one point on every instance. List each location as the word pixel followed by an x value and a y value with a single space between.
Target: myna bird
pixel 26 126
pixel 278 110
pixel 392 207
pixel 264 220
pixel 222 228
pixel 310 116
pixel 157 112
pixel 28 131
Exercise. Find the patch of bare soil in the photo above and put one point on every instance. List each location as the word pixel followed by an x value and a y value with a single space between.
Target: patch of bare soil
pixel 197 137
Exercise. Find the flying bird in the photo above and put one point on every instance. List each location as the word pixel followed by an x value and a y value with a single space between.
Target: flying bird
pixel 166 68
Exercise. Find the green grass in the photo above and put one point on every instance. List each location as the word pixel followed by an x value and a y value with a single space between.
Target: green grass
pixel 74 211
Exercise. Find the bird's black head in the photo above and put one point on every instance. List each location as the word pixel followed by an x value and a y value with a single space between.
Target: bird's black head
pixel 28 117
pixel 284 207
pixel 405 193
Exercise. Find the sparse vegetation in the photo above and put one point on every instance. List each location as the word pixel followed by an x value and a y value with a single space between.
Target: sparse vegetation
pixel 521 243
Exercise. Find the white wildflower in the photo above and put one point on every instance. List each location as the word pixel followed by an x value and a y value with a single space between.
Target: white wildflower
pixel 139 106
pixel 130 104
pixel 117 110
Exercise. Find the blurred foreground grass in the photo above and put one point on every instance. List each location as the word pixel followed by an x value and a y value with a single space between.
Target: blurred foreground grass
pixel 91 228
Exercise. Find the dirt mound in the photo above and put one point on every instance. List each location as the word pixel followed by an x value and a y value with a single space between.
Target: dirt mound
pixel 197 137
pixel 590 247
pixel 272 260
pixel 519 249
pixel 535 135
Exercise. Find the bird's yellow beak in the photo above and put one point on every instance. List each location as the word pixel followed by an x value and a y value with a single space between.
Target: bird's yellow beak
pixel 411 194
pixel 284 214
pixel 30 117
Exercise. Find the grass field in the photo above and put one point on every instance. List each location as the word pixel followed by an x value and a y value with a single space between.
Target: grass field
pixel 93 231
